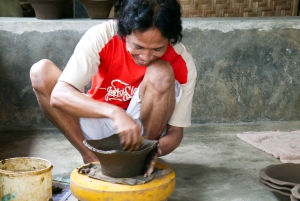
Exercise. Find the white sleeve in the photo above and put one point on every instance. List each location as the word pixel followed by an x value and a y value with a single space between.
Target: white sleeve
pixel 181 116
pixel 84 62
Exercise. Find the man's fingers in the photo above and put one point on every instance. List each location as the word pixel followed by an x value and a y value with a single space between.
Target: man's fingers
pixel 122 142
pixel 126 143
pixel 150 169
pixel 141 142
pixel 134 146
pixel 130 135
pixel 151 166
pixel 132 142
pixel 136 142
pixel 159 150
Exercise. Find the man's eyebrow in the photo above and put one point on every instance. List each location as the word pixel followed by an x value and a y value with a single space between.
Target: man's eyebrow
pixel 144 47
pixel 137 45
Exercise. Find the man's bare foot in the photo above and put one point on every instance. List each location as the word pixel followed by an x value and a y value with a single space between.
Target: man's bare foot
pixel 89 158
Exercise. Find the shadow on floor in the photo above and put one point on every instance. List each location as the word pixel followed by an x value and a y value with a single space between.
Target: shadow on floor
pixel 16 144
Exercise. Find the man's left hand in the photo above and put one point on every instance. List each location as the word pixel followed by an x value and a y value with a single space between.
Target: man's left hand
pixel 151 161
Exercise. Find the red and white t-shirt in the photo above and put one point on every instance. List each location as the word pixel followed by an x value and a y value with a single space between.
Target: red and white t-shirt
pixel 101 56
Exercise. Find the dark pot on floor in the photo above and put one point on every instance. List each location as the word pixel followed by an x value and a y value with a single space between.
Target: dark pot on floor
pixel 48 9
pixel 98 9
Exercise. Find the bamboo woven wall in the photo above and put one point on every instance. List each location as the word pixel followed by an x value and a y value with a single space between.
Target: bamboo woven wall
pixel 239 8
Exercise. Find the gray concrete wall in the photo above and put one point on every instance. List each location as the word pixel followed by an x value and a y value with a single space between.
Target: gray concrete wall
pixel 248 68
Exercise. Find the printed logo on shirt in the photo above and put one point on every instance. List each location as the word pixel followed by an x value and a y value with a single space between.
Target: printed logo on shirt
pixel 119 90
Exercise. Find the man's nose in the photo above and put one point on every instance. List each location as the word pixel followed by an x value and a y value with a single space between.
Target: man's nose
pixel 146 55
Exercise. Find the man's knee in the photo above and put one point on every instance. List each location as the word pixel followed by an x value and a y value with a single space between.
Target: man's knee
pixel 160 76
pixel 43 72
pixel 37 70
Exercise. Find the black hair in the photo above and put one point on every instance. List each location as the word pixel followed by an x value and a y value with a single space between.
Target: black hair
pixel 141 15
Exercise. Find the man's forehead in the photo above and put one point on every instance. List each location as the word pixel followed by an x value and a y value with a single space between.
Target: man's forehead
pixel 149 34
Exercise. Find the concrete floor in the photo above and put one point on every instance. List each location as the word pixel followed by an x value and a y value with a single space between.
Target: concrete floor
pixel 211 164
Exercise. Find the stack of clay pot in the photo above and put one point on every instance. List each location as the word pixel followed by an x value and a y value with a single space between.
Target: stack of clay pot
pixel 283 180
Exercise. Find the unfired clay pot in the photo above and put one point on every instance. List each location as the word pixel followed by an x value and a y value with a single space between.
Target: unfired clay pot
pixel 48 9
pixel 293 198
pixel 117 163
pixel 296 191
pixel 282 174
pixel 277 187
pixel 280 195
pixel 98 9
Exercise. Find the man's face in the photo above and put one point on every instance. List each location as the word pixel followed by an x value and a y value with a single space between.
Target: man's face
pixel 146 47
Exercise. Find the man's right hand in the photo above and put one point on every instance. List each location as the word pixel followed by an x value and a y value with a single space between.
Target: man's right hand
pixel 128 130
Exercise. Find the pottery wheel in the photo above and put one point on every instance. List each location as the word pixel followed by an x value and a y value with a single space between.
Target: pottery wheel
pixel 83 187
pixel 93 170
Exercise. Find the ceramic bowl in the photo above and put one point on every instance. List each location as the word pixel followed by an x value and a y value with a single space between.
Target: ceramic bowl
pixel 286 174
pixel 280 195
pixel 296 191
pixel 293 198
pixel 275 186
pixel 118 163
pixel 98 9
pixel 48 9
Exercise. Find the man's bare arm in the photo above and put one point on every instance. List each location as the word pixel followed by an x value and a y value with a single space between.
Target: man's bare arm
pixel 67 98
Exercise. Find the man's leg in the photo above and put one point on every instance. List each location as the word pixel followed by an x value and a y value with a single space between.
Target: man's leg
pixel 157 98
pixel 44 75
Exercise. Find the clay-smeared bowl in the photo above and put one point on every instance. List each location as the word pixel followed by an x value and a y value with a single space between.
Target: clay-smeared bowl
pixel 296 191
pixel 286 174
pixel 118 163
